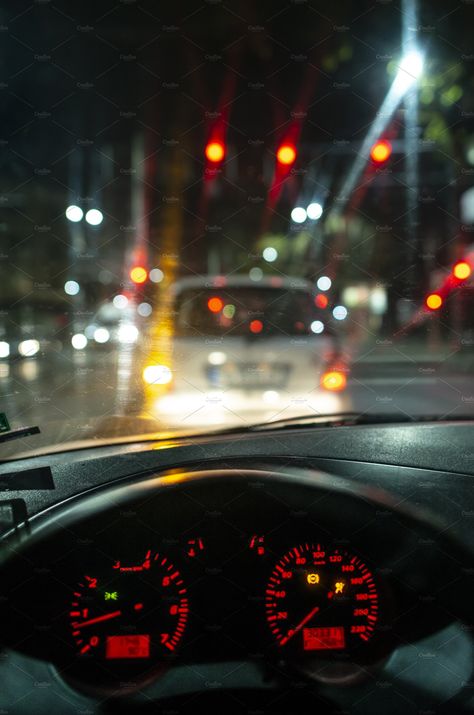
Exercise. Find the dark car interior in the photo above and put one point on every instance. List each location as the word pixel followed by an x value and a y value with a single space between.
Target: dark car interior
pixel 295 569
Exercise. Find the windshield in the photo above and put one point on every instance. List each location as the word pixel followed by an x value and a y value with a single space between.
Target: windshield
pixel 216 216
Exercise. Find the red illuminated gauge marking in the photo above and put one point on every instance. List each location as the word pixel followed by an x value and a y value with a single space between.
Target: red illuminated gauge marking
pixel 257 544
pixel 105 617
pixel 194 545
pixel 300 625
pixel 321 599
pixel 125 611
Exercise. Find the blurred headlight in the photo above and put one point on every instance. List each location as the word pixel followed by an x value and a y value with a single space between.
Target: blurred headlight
pixel 128 334
pixel 74 213
pixel 271 397
pixel 317 327
pixel 4 349
pixel 94 217
pixel 217 358
pixel 79 341
pixel 101 335
pixel 157 374
pixel 28 348
pixel 120 301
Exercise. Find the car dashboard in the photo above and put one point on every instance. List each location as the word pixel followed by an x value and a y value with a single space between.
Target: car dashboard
pixel 316 569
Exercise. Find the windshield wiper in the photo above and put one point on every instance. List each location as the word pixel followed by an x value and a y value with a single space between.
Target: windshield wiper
pixel 7 433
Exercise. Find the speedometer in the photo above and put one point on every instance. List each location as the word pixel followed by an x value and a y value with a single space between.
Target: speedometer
pixel 320 599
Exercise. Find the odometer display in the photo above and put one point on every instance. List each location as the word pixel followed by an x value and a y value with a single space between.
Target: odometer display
pixel 127 647
pixel 320 599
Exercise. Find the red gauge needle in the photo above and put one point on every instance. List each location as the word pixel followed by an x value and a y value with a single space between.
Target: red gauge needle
pixel 107 617
pixel 300 625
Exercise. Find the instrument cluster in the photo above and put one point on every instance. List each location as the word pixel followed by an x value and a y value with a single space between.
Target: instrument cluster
pixel 294 573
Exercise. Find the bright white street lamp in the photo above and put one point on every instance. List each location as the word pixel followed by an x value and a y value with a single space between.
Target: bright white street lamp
pixel 94 217
pixel 298 215
pixel 324 283
pixel 71 287
pixel 409 70
pixel 101 335
pixel 340 312
pixel 270 254
pixel 314 211
pixel 79 341
pixel 74 213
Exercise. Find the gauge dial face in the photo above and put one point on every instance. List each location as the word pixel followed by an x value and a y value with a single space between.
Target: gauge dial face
pixel 129 611
pixel 319 600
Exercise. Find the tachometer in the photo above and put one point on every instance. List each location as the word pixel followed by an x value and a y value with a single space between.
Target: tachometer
pixel 320 599
pixel 129 611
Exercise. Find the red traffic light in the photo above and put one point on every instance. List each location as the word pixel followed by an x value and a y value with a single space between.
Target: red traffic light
pixel 434 301
pixel 256 326
pixel 462 270
pixel 138 274
pixel 286 154
pixel 215 304
pixel 215 151
pixel 381 151
pixel 333 380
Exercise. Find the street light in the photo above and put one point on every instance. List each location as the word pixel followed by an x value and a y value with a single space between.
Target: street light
pixel 314 211
pixel 317 326
pixel 409 70
pixel 324 283
pixel 94 217
pixel 156 275
pixel 340 312
pixel 74 213
pixel 71 287
pixel 270 254
pixel 79 341
pixel 101 335
pixel 298 215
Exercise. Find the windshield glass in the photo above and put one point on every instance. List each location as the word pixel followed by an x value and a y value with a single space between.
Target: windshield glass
pixel 215 216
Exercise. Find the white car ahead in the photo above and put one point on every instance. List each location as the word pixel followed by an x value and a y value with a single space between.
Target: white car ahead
pixel 240 344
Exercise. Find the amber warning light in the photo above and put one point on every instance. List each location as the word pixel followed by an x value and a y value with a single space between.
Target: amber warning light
pixel 128 647
pixel 329 638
